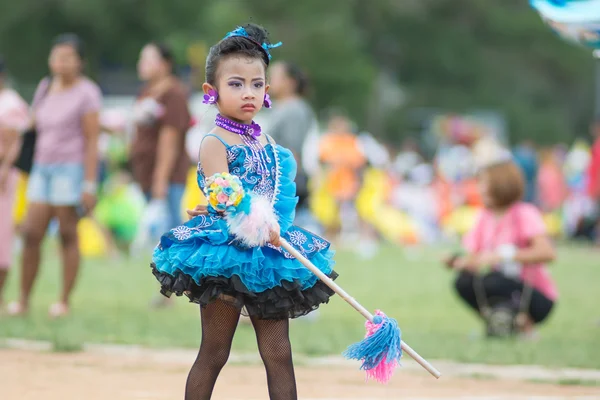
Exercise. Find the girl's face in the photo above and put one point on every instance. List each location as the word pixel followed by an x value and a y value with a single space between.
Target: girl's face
pixel 241 85
pixel 483 183
pixel 150 63
pixel 64 61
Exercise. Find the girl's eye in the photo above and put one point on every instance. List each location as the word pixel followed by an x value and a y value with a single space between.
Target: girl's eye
pixel 258 84
pixel 235 84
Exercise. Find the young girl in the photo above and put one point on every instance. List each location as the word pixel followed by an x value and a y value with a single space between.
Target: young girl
pixel 510 237
pixel 203 260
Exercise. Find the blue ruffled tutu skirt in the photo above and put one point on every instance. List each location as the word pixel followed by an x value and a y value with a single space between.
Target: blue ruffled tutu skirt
pixel 201 260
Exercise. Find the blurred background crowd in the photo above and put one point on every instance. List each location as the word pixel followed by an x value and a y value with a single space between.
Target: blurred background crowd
pixel 387 106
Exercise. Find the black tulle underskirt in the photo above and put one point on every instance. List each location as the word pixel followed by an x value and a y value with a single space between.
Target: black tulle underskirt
pixel 285 301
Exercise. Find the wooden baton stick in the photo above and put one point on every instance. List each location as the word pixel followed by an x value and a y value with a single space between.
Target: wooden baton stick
pixel 350 300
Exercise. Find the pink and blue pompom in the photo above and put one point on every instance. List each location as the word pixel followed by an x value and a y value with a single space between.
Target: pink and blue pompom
pixel 380 351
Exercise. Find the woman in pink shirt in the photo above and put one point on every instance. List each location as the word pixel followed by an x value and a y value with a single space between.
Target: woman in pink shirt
pixel 510 238
pixel 62 182
pixel 14 117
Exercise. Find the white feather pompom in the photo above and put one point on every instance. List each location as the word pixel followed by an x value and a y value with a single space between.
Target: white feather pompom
pixel 253 229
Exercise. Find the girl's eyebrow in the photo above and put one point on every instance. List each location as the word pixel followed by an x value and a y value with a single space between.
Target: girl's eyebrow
pixel 243 80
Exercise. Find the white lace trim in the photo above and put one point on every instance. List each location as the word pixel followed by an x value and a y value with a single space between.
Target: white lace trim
pixel 277 183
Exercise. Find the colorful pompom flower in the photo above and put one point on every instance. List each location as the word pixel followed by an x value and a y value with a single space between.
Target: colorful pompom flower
pixel 224 192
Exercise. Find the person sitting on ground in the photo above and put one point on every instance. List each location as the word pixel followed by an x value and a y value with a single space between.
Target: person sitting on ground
pixel 510 238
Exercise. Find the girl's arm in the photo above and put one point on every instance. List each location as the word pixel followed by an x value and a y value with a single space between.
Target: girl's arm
pixel 90 122
pixel 532 227
pixel 540 251
pixel 12 144
pixel 175 123
pixel 91 130
pixel 213 156
pixel 18 122
pixel 166 158
pixel 254 227
pixel 11 147
pixel 213 159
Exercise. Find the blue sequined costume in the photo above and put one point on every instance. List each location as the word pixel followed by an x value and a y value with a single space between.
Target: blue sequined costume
pixel 201 260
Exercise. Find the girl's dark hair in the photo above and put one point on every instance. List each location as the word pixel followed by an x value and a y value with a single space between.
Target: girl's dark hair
pixel 238 45
pixel 297 74
pixel 166 53
pixel 72 40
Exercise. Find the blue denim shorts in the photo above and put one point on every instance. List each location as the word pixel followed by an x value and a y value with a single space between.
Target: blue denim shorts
pixel 56 184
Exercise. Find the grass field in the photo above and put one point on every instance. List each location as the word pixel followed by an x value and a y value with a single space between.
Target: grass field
pixel 111 305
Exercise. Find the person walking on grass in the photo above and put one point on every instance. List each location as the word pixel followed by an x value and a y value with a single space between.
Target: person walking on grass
pixel 162 118
pixel 63 180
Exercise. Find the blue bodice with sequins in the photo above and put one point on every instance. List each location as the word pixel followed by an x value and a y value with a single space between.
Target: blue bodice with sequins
pixel 277 184
pixel 203 246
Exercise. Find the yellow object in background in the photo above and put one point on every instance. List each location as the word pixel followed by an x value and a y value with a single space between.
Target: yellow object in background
pixel 461 220
pixel 192 196
pixel 395 225
pixel 553 223
pixel 91 239
pixel 323 206
pixel 20 206
pixel 371 196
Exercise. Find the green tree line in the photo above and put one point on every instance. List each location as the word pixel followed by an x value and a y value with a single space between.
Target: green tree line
pixel 452 55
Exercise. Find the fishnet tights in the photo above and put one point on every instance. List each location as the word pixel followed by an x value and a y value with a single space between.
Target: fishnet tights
pixel 276 352
pixel 219 322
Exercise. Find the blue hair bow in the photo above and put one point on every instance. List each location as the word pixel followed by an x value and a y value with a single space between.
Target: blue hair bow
pixel 241 32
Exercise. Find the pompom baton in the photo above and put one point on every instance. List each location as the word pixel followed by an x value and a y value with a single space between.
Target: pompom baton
pixel 382 347
pixel 250 218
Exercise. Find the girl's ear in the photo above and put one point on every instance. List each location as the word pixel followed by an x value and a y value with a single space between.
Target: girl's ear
pixel 267 88
pixel 206 87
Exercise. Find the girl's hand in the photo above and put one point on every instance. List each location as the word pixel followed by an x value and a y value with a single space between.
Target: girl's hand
pixel 275 239
pixel 198 210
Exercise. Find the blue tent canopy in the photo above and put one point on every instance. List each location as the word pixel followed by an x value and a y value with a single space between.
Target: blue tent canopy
pixel 568 12
pixel 575 20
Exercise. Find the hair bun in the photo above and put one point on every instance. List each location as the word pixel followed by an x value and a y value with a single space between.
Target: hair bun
pixel 250 40
pixel 257 33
